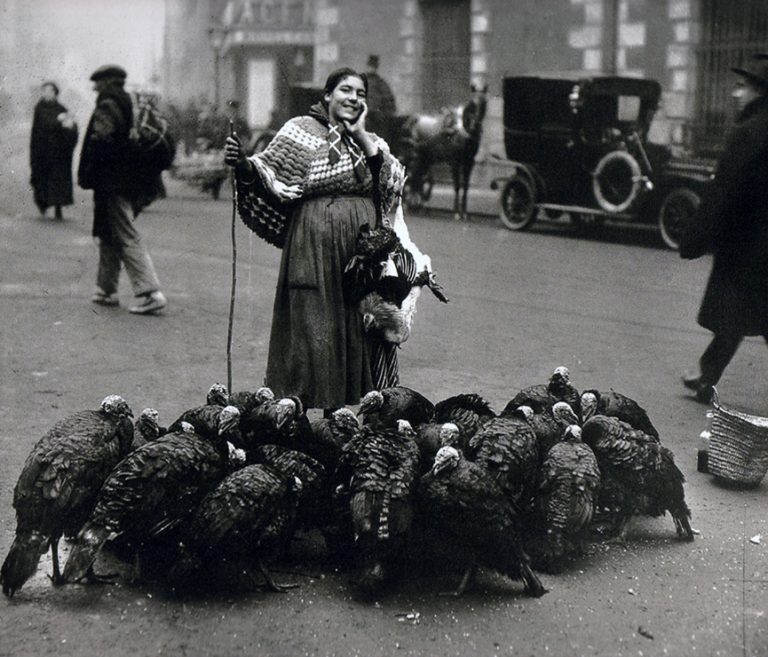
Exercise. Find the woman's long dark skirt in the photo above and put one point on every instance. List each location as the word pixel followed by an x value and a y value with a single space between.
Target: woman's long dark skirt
pixel 317 349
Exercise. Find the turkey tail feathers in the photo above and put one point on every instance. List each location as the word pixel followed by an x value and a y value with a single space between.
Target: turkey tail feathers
pixel 89 543
pixel 21 562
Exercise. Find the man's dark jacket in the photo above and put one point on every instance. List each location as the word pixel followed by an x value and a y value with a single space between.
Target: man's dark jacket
pixel 732 224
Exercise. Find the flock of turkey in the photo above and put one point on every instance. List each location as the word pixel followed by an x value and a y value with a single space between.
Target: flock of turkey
pixel 221 492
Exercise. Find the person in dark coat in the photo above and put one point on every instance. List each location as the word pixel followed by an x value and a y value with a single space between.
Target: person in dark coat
pixel 107 166
pixel 381 101
pixel 732 224
pixel 53 140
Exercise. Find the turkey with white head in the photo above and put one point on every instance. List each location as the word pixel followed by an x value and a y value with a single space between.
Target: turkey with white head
pixel 614 404
pixel 543 396
pixel 639 475
pixel 547 425
pixel 375 480
pixel 383 408
pixel 460 504
pixel 507 448
pixel 237 528
pixel 150 496
pixel 59 482
pixel 147 428
pixel 569 481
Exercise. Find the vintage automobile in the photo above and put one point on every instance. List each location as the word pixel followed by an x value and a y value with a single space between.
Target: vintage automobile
pixel 580 147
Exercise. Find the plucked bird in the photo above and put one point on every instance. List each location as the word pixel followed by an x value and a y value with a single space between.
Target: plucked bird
pixel 59 483
pixel 461 504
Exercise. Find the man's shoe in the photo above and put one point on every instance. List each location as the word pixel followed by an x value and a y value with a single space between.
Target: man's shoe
pixel 692 381
pixel 105 299
pixel 152 303
pixel 704 393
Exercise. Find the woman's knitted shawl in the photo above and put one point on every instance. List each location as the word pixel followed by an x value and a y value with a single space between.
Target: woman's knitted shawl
pixel 295 166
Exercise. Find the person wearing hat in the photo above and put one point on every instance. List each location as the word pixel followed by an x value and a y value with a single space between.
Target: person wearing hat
pixel 381 100
pixel 732 224
pixel 53 140
pixel 107 167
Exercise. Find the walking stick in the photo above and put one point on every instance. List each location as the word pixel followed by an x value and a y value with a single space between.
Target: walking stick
pixel 234 270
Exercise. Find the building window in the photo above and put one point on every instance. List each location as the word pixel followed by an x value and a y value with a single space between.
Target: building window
pixel 728 37
pixel 446 60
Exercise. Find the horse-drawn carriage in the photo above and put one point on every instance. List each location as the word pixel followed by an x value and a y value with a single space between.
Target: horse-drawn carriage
pixel 580 147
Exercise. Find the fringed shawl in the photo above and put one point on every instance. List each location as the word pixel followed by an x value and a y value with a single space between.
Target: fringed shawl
pixel 296 165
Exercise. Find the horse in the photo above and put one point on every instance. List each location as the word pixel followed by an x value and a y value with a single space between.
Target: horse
pixel 452 136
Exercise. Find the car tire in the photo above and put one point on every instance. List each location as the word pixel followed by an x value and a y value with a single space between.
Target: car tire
pixel 607 193
pixel 676 212
pixel 517 204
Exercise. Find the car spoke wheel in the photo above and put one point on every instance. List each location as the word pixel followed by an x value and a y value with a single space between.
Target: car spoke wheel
pixel 518 205
pixel 677 211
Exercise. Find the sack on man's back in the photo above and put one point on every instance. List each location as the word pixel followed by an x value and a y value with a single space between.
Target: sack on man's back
pixel 154 144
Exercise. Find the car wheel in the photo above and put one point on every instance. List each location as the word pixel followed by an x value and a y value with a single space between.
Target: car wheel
pixel 676 213
pixel 616 181
pixel 517 204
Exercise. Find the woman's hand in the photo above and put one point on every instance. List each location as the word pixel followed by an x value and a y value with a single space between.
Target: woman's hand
pixel 234 156
pixel 356 130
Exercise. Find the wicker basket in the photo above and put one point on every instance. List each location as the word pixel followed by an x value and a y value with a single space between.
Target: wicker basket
pixel 738 448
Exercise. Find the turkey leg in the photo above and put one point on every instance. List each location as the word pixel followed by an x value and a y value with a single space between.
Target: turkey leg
pixel 56 578
pixel 274 586
pixel 469 575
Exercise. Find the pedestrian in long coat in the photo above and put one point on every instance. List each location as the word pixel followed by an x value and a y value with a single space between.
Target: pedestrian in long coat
pixel 53 140
pixel 732 224
pixel 309 192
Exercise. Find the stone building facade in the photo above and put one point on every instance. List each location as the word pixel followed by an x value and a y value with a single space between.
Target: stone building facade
pixel 432 50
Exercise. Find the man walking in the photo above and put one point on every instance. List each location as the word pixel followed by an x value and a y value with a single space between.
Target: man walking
pixel 107 167
pixel 733 224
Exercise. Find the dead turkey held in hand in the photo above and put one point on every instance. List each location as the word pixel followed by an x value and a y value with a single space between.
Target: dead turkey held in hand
pixel 385 278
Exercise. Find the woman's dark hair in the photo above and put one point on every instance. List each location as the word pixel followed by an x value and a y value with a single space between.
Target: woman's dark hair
pixel 339 74
pixel 52 85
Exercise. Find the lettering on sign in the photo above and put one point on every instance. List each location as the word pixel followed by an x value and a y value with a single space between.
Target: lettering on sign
pixel 269 13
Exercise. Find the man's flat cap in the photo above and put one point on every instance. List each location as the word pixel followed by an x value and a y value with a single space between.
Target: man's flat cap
pixel 109 71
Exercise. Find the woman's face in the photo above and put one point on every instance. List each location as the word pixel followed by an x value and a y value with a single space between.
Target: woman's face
pixel 48 92
pixel 345 102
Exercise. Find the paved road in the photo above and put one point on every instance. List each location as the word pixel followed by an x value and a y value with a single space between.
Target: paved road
pixel 615 309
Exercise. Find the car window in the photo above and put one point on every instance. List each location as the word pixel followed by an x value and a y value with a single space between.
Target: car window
pixel 629 109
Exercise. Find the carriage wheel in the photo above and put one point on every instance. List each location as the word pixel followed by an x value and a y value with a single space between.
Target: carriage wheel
pixel 412 196
pixel 517 204
pixel 417 192
pixel 676 213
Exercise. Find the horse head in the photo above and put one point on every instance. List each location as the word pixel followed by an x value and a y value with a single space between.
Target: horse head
pixel 474 111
